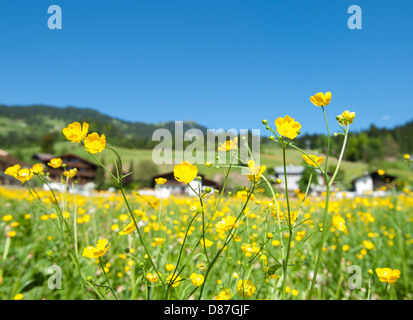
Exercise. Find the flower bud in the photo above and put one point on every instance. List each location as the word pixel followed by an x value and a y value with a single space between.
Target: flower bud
pixel 271 138
pixel 264 122
pixel 89 279
pixel 208 190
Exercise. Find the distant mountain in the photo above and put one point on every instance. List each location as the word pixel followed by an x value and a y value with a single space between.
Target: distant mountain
pixel 28 125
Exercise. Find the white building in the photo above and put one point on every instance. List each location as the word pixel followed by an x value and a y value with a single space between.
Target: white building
pixel 294 175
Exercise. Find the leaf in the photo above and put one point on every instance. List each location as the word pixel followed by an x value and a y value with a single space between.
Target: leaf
pixel 272 269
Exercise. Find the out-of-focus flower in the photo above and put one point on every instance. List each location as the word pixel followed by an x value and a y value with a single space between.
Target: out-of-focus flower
pixel 339 223
pixel 320 99
pixel 75 132
pixel 311 160
pixel 223 295
pixel 152 277
pixel 94 143
pixel 346 118
pixel 256 171
pixel 71 173
pixel 208 243
pixel 185 172
pixel 160 181
pixel 288 127
pixel 37 168
pixel 55 163
pixel 388 275
pixel 94 253
pixel 197 279
pixel 229 145
pixel 226 223
pixel 18 296
pixel 381 172
pixel 128 229
pixel 245 288
pixel 13 170
pixel 406 156
pixel 169 267
pixel 24 175
pixel 173 280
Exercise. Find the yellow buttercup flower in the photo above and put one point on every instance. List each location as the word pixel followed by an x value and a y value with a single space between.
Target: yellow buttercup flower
pixel 13 170
pixel 18 297
pixel 24 175
pixel 288 127
pixel 256 171
pixel 94 253
pixel 173 280
pixel 388 275
pixel 226 223
pixel 339 223
pixel 71 173
pixel 37 168
pixel 94 143
pixel 11 234
pixel 185 172
pixel 128 229
pixel 75 132
pixel 7 218
pixel 55 163
pixel 320 99
pixel 208 243
pixel 346 118
pixel 196 279
pixel 245 288
pixel 169 267
pixel 381 172
pixel 311 160
pixel 368 244
pixel 228 145
pixel 152 277
pixel 160 181
pixel 223 295
pixel 406 156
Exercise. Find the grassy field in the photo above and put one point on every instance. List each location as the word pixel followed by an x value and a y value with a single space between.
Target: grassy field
pixel 271 156
pixel 35 240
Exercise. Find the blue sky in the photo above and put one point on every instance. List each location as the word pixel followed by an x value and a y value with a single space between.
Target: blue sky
pixel 223 63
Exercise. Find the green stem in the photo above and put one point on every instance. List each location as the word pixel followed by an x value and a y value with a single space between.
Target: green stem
pixel 320 249
pixel 328 138
pixel 107 279
pixel 340 158
pixel 385 290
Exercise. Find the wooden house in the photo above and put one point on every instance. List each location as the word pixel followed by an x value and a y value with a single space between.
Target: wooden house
pixel 86 170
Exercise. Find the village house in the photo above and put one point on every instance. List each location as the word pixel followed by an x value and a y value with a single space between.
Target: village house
pixel 173 187
pixel 86 170
pixel 370 182
pixel 6 160
pixel 294 175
